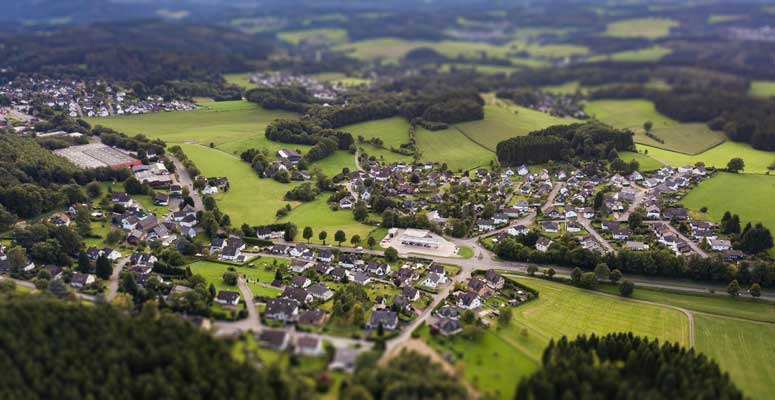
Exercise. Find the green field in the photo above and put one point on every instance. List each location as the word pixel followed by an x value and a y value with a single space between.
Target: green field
pixel 213 273
pixel 317 215
pixel 631 114
pixel 393 132
pixel 762 88
pixel 650 54
pixel 451 146
pixel 756 161
pixel 338 77
pixel 481 68
pixel 744 349
pixel 504 120
pixel 570 87
pixel 242 80
pixel 744 194
pixel 719 18
pixel 559 310
pixel 649 28
pixel 323 35
pixel 645 162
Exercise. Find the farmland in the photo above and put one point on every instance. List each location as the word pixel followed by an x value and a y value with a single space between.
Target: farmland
pixel 742 194
pixel 756 161
pixel 241 79
pixel 631 114
pixel 648 28
pixel 645 162
pixel 504 120
pixel 452 147
pixel 314 35
pixel 650 54
pixel 762 88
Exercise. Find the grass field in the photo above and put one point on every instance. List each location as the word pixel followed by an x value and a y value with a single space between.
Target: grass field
pixel 504 120
pixel 213 273
pixel 744 349
pixel 559 310
pixel 650 54
pixel 719 18
pixel 338 77
pixel 762 88
pixel 242 80
pixel 323 35
pixel 393 132
pixel 649 28
pixel 452 147
pixel 317 215
pixel 756 161
pixel 645 162
pixel 631 114
pixel 743 194
pixel 481 68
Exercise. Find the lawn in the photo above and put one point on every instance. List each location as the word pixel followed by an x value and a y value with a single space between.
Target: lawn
pixel 218 123
pixel 317 215
pixel 762 88
pixel 645 162
pixel 744 349
pixel 743 194
pixel 213 273
pixel 649 54
pixel 504 120
pixel 452 147
pixel 250 199
pixel 756 161
pixel 648 28
pixel 323 35
pixel 631 114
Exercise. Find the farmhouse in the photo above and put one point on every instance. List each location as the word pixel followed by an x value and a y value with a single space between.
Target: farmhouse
pixel 289 155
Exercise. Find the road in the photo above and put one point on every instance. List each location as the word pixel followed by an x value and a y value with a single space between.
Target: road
pixel 592 231
pixel 114 278
pixel 184 179
pixel 694 246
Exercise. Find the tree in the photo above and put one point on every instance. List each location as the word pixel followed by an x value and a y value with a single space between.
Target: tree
pixel 550 272
pixel 322 236
pixel 626 288
pixel 532 269
pixel 84 264
pixel 736 165
pixel 635 219
pixel 104 267
pixel 615 276
pixel 647 126
pixel 756 239
pixel 360 211
pixel 355 240
pixel 575 276
pixel 371 242
pixel 57 287
pixel 17 257
pixel 290 232
pixel 230 278
pixel 733 288
pixel 340 237
pixel 602 271
pixel 391 254
pixel 588 280
pixel 504 319
pixel 755 290
pixel 307 233
pixel 93 189
pixel 468 317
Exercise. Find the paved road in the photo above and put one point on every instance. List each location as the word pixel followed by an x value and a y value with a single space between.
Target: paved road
pixel 184 179
pixel 114 281
pixel 592 231
pixel 694 246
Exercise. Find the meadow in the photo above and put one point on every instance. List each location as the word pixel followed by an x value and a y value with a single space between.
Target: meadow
pixel 762 88
pixel 322 35
pixel 452 147
pixel 317 215
pixel 645 162
pixel 631 114
pixel 719 18
pixel 649 54
pixel 747 195
pixel 240 79
pixel 213 273
pixel 756 161
pixel 648 28
pixel 504 120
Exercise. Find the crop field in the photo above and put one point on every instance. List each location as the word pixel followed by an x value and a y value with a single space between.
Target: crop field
pixel 756 161
pixel 648 28
pixel 744 194
pixel 645 162
pixel 452 147
pixel 762 88
pixel 504 120
pixel 650 54
pixel 323 35
pixel 744 349
pixel 631 114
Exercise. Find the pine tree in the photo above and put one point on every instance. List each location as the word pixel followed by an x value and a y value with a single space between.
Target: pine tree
pixel 104 267
pixel 84 264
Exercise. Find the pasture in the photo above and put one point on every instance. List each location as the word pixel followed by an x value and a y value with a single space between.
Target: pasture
pixel 645 162
pixel 756 161
pixel 744 349
pixel 648 28
pixel 631 114
pixel 241 79
pixel 317 215
pixel 649 54
pixel 762 89
pixel 504 120
pixel 744 194
pixel 323 35
pixel 451 146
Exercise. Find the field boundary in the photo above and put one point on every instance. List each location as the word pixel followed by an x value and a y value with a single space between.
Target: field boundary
pixel 469 138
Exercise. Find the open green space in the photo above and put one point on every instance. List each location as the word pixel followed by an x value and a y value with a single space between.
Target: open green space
pixel 451 146
pixel 504 120
pixel 744 349
pixel 631 114
pixel 322 35
pixel 338 77
pixel 213 273
pixel 393 132
pixel 317 215
pixel 762 88
pixel 648 28
pixel 241 79
pixel 756 161
pixel 719 18
pixel 649 54
pixel 748 195
pixel 645 162
pixel 481 68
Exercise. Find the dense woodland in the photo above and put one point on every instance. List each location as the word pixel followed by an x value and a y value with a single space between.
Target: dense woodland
pixel 622 366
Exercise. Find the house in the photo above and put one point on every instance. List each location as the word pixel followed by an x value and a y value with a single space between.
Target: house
pixel 448 312
pixel 309 346
pixel 60 219
pixel 550 226
pixel 518 230
pixel 469 301
pixel 121 198
pixel 433 280
pixel 320 292
pixel 80 280
pixel 176 191
pixel 346 203
pixel 361 278
pixel 298 250
pixel 636 246
pixel 720 244
pixel 478 286
pixel 299 295
pixel 300 281
pixel 161 199
pixel 543 244
pixel 231 254
pixel 325 255
pixel 142 259
pixel 618 233
pixel 377 268
pixel 279 249
pixel 227 298
pixel 388 319
pixel 312 318
pixel 275 339
pixel 410 293
pixel 438 269
pixel 486 224
pixel 494 280
pixel 54 271
pixel 285 310
pixel 573 227
pixel 522 170
pixel 501 218
pixel 344 360
pixel 323 268
pixel 448 327
pixel 289 155
pixel 299 266
pixel 347 261
pixel 217 245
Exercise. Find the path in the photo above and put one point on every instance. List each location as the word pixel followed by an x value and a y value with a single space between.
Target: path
pixel 114 278
pixel 184 179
